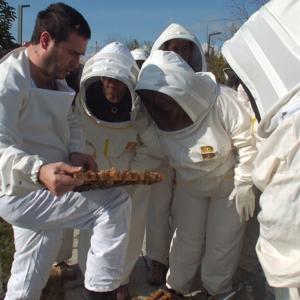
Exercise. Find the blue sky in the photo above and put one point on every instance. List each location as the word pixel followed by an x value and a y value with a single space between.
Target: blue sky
pixel 132 19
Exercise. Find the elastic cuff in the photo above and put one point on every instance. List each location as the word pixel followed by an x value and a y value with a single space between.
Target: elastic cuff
pixel 35 171
pixel 101 289
pixel 243 183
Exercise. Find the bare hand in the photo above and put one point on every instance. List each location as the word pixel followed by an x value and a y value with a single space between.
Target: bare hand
pixel 58 177
pixel 85 161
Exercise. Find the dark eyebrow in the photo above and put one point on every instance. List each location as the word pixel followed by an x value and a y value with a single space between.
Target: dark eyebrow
pixel 76 52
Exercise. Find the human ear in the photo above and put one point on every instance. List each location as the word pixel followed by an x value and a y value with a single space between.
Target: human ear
pixel 45 39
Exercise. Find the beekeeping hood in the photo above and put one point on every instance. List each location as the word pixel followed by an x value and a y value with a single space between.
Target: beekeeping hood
pixel 167 73
pixel 265 52
pixel 114 61
pixel 140 54
pixel 176 31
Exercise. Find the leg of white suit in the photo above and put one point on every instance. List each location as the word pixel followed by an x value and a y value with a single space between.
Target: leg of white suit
pixel 208 233
pixel 140 200
pixel 158 225
pixel 140 204
pixel 65 251
pixel 35 252
pixel 224 236
pixel 287 293
pixel 189 217
pixel 38 220
pixel 84 243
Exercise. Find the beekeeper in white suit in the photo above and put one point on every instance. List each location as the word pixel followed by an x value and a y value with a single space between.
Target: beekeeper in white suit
pixel 272 76
pixel 206 135
pixel 41 143
pixel 139 55
pixel 178 39
pixel 105 101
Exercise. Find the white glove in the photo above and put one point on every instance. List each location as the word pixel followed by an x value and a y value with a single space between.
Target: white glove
pixel 244 200
pixel 139 117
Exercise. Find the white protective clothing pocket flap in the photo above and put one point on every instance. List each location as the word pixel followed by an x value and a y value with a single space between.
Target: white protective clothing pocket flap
pixel 202 152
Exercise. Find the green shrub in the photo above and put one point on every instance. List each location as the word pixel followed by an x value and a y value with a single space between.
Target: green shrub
pixel 6 249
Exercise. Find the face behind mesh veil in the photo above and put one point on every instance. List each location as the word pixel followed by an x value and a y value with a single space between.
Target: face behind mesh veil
pixel 113 61
pixel 177 31
pixel 180 93
pixel 165 111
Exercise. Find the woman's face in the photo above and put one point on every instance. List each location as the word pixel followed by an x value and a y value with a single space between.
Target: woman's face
pixel 113 89
pixel 165 111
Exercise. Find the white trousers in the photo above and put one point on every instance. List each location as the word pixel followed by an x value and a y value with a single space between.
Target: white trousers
pixel 287 293
pixel 38 220
pixel 140 200
pixel 208 233
pixel 65 251
pixel 158 231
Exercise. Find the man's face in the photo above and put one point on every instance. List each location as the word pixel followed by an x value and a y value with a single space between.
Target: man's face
pixel 113 89
pixel 165 111
pixel 183 48
pixel 64 57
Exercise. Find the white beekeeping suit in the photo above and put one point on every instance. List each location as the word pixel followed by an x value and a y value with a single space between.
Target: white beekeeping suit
pixel 65 252
pixel 158 227
pixel 211 156
pixel 38 126
pixel 177 31
pixel 244 99
pixel 66 249
pixel 114 143
pixel 139 54
pixel 249 265
pixel 272 76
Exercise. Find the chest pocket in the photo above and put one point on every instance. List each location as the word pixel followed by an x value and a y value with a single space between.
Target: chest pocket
pixel 208 145
pixel 207 152
pixel 202 153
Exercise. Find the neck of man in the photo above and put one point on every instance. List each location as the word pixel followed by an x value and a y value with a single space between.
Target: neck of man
pixel 39 70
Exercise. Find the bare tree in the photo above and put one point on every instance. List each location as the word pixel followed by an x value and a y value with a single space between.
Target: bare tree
pixel 131 43
pixel 240 11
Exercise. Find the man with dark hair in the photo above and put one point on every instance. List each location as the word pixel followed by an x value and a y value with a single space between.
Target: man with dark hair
pixel 41 145
pixel 59 20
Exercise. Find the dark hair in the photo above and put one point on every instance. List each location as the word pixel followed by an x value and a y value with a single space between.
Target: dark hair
pixel 60 20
